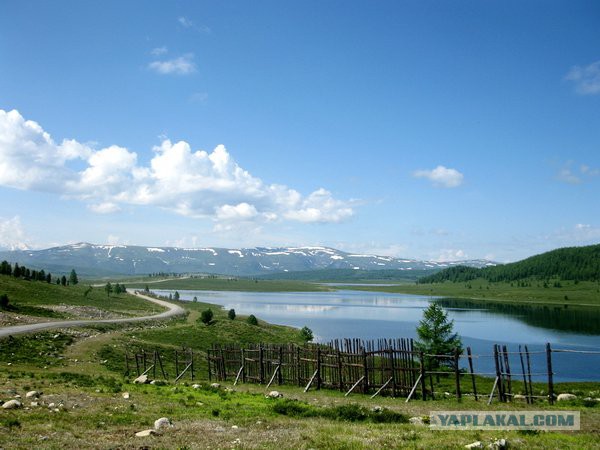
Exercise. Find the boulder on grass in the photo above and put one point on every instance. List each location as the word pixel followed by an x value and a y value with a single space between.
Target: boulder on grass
pixel 12 404
pixel 566 397
pixel 146 433
pixel 163 422
pixel 142 379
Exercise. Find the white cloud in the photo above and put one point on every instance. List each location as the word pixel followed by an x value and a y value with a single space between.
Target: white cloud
pixel 12 235
pixel 183 65
pixel 451 255
pixel 190 183
pixel 441 176
pixel 159 51
pixel 576 176
pixel 586 79
pixel 185 22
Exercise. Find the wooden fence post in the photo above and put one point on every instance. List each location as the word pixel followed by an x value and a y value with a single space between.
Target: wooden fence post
pixel 457 373
pixel 472 373
pixel 340 371
pixel 319 368
pixel 365 371
pixel 261 366
pixel 550 374
pixel 498 374
pixel 423 388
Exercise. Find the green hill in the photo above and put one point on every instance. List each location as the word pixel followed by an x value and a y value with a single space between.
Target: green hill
pixel 569 263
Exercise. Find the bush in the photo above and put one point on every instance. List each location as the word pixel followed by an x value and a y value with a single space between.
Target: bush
pixel 252 320
pixel 4 301
pixel 206 316
pixel 306 334
pixel 231 314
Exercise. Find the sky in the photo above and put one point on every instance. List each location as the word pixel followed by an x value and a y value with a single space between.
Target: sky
pixel 419 129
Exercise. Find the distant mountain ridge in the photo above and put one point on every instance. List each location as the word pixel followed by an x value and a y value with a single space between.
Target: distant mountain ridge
pixel 568 263
pixel 100 260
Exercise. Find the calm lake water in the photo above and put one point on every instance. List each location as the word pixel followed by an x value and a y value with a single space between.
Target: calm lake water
pixel 372 315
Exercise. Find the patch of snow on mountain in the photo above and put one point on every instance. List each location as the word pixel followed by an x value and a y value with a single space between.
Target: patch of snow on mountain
pixel 208 250
pixel 336 257
pixel 235 252
pixel 154 249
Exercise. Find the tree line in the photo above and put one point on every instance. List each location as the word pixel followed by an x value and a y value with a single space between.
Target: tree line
pixel 28 274
pixel 569 263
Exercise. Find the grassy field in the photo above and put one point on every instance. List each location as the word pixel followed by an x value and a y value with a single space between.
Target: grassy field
pixel 81 373
pixel 36 298
pixel 230 284
pixel 570 293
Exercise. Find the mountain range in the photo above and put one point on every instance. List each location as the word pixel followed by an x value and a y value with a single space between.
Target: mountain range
pixel 101 260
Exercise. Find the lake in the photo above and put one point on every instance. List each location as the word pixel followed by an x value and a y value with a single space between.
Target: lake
pixel 372 315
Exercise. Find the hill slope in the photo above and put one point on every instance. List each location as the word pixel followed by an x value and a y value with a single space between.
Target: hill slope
pixel 569 263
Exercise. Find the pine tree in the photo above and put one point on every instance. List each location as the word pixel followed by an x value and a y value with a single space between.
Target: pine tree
pixel 436 336
pixel 73 278
pixel 63 280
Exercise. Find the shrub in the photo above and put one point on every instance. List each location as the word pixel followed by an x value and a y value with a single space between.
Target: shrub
pixel 306 334
pixel 231 314
pixel 206 316
pixel 4 301
pixel 252 320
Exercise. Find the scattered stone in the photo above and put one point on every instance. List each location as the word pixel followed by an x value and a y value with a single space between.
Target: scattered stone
pixel 476 444
pixel 12 404
pixel 32 394
pixel 51 405
pixel 417 420
pixel 126 395
pixel 566 397
pixel 163 422
pixel 196 386
pixel 142 379
pixel 274 394
pixel 215 385
pixel 18 396
pixel 519 397
pixel 234 427
pixel 220 429
pixel 377 409
pixel 228 389
pixel 146 433
pixel 238 441
pixel 499 444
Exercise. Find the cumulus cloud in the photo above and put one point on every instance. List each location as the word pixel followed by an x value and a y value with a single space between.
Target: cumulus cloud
pixel 182 65
pixel 191 183
pixel 585 78
pixel 12 234
pixel 441 176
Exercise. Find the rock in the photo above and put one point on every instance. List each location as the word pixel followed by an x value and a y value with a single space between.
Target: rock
pixel 417 420
pixel 519 397
pixel 145 433
pixel 142 379
pixel 275 394
pixel 215 385
pixel 126 395
pixel 476 444
pixel 18 396
pixel 12 404
pixel 499 444
pixel 566 397
pixel 234 427
pixel 196 386
pixel 32 394
pixel 377 409
pixel 163 422
pixel 34 404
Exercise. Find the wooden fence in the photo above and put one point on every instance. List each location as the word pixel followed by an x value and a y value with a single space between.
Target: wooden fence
pixel 391 367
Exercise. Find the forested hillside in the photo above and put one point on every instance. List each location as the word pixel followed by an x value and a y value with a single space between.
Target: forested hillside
pixel 570 263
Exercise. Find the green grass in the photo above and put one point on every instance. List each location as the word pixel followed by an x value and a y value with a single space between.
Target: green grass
pixel 571 293
pixel 231 284
pixel 31 297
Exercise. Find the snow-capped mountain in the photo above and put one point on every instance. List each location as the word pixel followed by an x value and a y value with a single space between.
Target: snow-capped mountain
pixel 131 259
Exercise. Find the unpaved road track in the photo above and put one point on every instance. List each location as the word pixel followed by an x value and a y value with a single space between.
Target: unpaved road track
pixel 172 311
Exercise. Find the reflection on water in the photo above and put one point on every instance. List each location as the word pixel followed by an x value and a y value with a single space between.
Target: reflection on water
pixel 372 315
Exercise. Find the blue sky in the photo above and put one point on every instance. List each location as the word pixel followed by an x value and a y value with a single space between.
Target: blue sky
pixel 433 130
